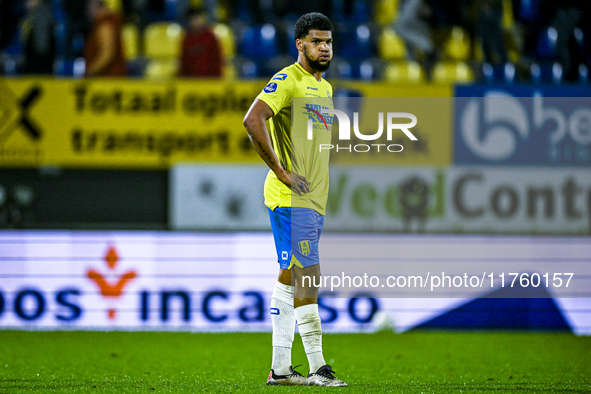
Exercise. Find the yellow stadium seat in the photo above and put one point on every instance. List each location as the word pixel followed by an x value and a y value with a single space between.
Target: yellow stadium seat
pixel 160 69
pixel 226 39
pixel 131 37
pixel 114 5
pixel 391 46
pixel 448 72
pixel 508 18
pixel 229 71
pixel 404 72
pixel 163 40
pixel 385 11
pixel 458 45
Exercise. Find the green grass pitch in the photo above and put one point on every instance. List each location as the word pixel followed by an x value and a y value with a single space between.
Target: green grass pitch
pixel 415 362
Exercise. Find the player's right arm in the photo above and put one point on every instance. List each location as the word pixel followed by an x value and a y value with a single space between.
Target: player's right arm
pixel 254 121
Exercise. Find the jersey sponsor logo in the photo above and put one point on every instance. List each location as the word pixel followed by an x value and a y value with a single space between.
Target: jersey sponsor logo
pixel 270 88
pixel 312 88
pixel 279 77
pixel 304 247
pixel 314 113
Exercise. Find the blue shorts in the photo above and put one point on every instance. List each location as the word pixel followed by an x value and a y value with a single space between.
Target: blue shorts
pixel 296 232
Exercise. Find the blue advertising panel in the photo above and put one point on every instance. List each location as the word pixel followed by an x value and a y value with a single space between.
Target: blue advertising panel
pixel 522 125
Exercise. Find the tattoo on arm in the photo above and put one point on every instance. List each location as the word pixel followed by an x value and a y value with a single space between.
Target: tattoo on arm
pixel 267 155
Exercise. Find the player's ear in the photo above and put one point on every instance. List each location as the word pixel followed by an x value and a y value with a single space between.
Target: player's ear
pixel 300 44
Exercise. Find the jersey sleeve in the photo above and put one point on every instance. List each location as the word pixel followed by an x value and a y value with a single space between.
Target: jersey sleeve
pixel 278 92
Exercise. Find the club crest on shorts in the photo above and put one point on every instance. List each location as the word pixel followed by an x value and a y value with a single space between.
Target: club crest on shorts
pixel 304 247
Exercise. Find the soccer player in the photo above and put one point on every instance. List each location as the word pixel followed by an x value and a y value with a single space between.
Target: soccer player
pixel 296 192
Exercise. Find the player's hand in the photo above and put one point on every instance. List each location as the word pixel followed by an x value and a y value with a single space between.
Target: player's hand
pixel 298 183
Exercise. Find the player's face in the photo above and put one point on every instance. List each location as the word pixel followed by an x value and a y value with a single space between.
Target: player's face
pixel 317 49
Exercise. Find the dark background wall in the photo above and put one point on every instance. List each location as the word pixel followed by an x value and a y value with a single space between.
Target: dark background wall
pixel 54 198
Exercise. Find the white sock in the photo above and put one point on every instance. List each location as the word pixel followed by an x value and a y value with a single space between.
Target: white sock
pixel 311 332
pixel 283 319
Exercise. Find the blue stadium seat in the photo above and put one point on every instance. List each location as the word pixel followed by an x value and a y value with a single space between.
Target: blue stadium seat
pixel 368 70
pixel 583 73
pixel 60 32
pixel 344 69
pixel 546 46
pixel 67 67
pixel 529 10
pixel 498 73
pixel 291 48
pixel 355 42
pixel 171 10
pixel 247 69
pixel 259 43
pixel 360 12
pixel 546 73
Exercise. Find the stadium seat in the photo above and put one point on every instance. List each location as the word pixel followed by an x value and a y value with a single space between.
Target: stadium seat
pixel 546 46
pixel 289 34
pixel 343 69
pixel 60 37
pixel 131 41
pixel 404 72
pixel 354 42
pixel 457 47
pixel 529 10
pixel 368 70
pixel 163 40
pixel 114 5
pixel 247 69
pixel 162 69
pixel 171 10
pixel 448 72
pixel 360 12
pixel 391 46
pixel 498 73
pixel 583 73
pixel 226 38
pixel 69 67
pixel 508 18
pixel 259 42
pixel 9 66
pixel 386 11
pixel 546 73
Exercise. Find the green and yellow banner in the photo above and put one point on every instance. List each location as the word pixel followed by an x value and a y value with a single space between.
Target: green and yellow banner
pixel 138 124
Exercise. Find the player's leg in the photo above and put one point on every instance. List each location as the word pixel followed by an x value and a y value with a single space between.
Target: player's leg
pixel 282 307
pixel 306 229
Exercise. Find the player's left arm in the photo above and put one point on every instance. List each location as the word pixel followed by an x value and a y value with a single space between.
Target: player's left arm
pixel 254 121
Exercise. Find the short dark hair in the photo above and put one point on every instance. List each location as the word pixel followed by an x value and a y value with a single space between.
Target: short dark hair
pixel 312 21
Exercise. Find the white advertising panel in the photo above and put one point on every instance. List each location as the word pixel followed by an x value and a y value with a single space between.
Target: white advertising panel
pixel 214 197
pixel 204 282
pixel 491 200
pixel 460 199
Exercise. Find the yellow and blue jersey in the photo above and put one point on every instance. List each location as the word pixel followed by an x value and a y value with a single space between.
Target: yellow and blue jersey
pixel 295 151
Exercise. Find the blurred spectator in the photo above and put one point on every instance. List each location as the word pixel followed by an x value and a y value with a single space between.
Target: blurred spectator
pixel 489 27
pixel 77 26
pixel 425 26
pixel 37 37
pixel 10 12
pixel 531 18
pixel 568 16
pixel 201 55
pixel 104 49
